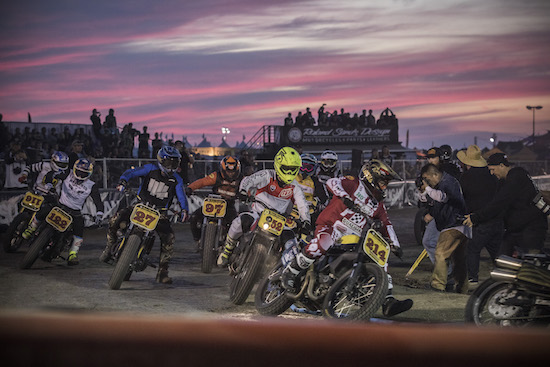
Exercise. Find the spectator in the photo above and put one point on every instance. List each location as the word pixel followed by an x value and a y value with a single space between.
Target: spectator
pixel 448 205
pixel 96 124
pixel 386 156
pixel 143 147
pixel 288 120
pixel 299 120
pixel 371 120
pixel 186 161
pixel 247 163
pixel 308 119
pixel 525 225
pixel 322 119
pixel 335 120
pixel 15 161
pixel 478 188
pixel 435 157
pixel 374 154
pixel 363 119
pixel 77 152
pixel 110 122
pixel 156 144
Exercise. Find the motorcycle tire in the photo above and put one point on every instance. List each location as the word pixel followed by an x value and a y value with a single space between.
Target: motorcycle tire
pixel 208 245
pixel 12 237
pixel 242 283
pixel 36 247
pixel 419 225
pixel 371 291
pixel 485 308
pixel 127 257
pixel 270 298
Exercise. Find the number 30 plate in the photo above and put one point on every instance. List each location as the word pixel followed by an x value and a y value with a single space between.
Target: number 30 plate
pixel 145 217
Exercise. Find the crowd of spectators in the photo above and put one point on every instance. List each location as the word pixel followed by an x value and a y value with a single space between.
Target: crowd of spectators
pixel 325 118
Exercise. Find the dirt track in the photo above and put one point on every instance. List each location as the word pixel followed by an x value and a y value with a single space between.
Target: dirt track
pixel 55 286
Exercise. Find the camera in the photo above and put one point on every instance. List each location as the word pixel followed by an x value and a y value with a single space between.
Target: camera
pixel 419 182
pixel 541 204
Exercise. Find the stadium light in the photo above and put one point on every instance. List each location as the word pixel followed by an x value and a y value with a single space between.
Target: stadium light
pixel 534 108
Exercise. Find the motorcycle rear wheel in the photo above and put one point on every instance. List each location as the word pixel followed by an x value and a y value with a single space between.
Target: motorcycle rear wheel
pixel 12 238
pixel 122 266
pixel 243 282
pixel 368 295
pixel 208 245
pixel 270 298
pixel 36 247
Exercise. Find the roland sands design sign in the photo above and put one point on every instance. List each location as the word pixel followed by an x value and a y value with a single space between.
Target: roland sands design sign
pixel 337 135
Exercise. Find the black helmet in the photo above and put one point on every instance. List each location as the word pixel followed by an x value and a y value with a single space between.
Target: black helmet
pixel 446 153
pixel 376 175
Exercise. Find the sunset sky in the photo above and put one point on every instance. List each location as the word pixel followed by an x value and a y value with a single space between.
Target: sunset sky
pixel 449 70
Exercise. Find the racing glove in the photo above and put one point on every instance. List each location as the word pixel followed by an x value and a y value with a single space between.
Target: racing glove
pixel 188 191
pixel 184 216
pixel 121 185
pixel 98 216
pixel 397 251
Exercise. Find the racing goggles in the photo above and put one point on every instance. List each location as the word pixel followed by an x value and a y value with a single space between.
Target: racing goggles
pixel 307 168
pixel 81 174
pixel 329 163
pixel 290 170
pixel 62 165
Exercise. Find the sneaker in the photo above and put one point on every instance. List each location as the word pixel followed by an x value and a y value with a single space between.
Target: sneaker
pixel 72 259
pixel 223 260
pixel 392 306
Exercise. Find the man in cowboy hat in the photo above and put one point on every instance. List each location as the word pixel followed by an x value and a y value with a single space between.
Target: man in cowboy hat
pixel 525 225
pixel 478 188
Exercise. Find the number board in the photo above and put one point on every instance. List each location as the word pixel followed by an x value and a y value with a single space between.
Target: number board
pixel 32 201
pixel 272 222
pixel 376 247
pixel 213 207
pixel 145 217
pixel 59 219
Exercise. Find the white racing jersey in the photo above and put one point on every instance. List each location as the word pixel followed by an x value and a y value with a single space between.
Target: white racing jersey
pixel 74 192
pixel 273 196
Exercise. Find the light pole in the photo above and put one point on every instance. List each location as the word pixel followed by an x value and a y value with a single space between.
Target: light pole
pixel 225 132
pixel 533 108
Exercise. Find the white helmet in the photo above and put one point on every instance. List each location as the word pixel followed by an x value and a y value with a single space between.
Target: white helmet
pixel 329 159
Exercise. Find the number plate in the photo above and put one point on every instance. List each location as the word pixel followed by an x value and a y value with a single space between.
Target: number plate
pixel 59 219
pixel 272 222
pixel 376 247
pixel 32 201
pixel 213 207
pixel 145 217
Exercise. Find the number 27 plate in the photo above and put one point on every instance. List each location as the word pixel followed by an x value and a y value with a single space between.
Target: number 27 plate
pixel 145 217
pixel 376 247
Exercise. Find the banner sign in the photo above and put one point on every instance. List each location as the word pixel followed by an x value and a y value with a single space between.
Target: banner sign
pixel 340 135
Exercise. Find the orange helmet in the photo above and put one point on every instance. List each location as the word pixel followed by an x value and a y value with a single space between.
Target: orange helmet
pixel 230 167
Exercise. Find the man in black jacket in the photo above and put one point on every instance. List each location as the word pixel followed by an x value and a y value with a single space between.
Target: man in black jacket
pixel 525 225
pixel 479 187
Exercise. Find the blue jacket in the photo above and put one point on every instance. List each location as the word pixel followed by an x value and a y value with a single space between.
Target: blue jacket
pixel 448 202
pixel 156 188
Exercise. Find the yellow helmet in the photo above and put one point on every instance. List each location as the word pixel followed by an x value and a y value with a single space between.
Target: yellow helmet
pixel 287 164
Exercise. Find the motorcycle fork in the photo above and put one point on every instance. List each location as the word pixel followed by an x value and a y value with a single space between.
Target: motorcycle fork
pixel 355 272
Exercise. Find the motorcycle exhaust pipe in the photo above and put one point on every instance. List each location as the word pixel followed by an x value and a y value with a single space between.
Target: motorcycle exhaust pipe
pixel 504 275
pixel 508 262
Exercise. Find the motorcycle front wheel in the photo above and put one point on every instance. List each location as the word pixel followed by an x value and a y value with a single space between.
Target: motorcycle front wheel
pixel 496 303
pixel 128 256
pixel 208 245
pixel 36 247
pixel 243 282
pixel 12 238
pixel 362 302
pixel 270 298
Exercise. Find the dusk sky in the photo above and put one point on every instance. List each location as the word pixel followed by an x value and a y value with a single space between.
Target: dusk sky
pixel 449 70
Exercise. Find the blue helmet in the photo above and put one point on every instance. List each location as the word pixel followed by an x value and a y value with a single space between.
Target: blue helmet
pixel 83 169
pixel 168 159
pixel 59 161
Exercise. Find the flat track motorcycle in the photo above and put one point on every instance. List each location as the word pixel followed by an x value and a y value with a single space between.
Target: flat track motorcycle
pixel 214 230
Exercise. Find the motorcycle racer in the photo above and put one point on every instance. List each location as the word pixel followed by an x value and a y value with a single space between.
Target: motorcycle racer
pixel 75 189
pixel 273 188
pixel 58 164
pixel 353 200
pixel 160 183
pixel 225 182
pixel 310 185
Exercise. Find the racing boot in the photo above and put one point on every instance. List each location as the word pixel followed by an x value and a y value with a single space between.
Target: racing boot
pixel 73 258
pixel 297 266
pixel 162 275
pixel 392 306
pixel 223 259
pixel 27 233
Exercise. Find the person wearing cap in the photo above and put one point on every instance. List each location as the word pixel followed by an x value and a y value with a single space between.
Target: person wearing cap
pixel 436 156
pixel 478 189
pixel 525 225
pixel 77 152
